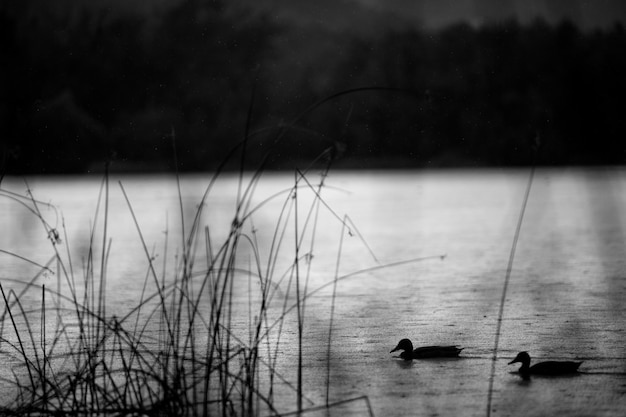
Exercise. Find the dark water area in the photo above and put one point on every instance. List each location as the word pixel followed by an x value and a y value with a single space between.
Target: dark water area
pixel 564 300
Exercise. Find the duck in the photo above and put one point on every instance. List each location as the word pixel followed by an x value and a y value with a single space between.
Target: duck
pixel 424 352
pixel 545 368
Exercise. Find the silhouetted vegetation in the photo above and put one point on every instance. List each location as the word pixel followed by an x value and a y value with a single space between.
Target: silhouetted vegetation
pixel 79 90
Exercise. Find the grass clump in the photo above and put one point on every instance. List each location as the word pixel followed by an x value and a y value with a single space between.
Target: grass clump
pixel 189 346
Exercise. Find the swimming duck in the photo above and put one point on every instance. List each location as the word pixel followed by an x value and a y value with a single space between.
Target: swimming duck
pixel 424 352
pixel 544 368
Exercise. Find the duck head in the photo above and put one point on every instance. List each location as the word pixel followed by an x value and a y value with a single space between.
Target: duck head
pixel 523 358
pixel 405 345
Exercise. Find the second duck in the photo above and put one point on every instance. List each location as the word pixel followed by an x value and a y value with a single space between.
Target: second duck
pixel 544 368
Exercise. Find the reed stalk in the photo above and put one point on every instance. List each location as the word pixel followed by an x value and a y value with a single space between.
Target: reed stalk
pixel 507 277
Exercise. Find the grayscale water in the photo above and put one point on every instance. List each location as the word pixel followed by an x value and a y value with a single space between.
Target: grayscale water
pixel 565 299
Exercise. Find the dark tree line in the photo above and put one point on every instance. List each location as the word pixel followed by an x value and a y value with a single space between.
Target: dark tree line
pixel 489 93
pixel 81 90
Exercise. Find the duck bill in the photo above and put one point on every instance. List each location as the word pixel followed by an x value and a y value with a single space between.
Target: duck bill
pixel 395 349
pixel 513 361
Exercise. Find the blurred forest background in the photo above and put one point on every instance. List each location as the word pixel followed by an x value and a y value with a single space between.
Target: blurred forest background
pixel 83 88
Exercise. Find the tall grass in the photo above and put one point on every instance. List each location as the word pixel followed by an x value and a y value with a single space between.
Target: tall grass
pixel 187 347
pixel 509 269
pixel 89 361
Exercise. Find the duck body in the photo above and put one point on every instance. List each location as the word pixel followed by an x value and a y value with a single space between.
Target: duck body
pixel 545 368
pixel 425 352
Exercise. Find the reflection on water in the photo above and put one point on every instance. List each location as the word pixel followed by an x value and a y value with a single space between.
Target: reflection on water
pixel 565 298
pixel 402 364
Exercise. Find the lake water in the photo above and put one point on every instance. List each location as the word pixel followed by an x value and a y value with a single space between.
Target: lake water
pixel 454 229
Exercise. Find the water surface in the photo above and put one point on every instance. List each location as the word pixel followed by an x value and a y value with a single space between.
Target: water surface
pixel 564 300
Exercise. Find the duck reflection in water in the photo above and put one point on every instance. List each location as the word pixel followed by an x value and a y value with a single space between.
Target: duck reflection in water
pixel 425 352
pixel 549 368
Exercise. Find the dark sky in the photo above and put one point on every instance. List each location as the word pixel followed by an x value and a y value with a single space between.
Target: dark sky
pixel 425 13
